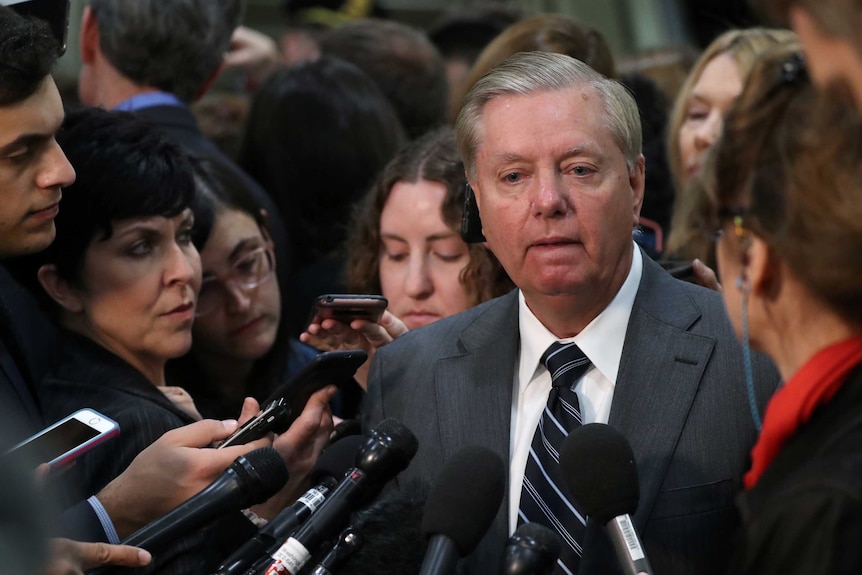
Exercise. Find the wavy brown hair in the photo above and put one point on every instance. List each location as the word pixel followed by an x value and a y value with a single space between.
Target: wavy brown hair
pixel 433 157
pixel 790 161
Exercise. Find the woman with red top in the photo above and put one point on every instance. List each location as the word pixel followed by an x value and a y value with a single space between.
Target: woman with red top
pixel 786 178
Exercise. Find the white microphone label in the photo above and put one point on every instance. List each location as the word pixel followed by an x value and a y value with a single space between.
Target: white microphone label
pixel 628 530
pixel 289 559
pixel 312 499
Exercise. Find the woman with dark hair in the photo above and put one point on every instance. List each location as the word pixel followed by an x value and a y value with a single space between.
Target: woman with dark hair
pixel 241 347
pixel 317 136
pixel 121 279
pixel 405 244
pixel 786 179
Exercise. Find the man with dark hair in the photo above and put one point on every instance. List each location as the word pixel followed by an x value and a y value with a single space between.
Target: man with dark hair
pixel 403 62
pixel 33 170
pixel 831 36
pixel 154 58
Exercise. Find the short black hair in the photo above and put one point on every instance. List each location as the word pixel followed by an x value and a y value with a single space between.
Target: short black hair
pixel 28 52
pixel 126 168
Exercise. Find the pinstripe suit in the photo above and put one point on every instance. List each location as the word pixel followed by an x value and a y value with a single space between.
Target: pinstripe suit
pixel 679 399
pixel 88 375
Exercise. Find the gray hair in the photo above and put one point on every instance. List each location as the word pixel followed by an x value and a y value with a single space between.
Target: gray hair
pixel 531 72
pixel 172 45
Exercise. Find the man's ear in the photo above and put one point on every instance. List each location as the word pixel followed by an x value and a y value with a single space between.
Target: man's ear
pixel 637 181
pixel 89 42
pixel 59 289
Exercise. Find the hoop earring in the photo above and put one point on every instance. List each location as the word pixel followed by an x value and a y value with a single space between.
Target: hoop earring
pixel 744 287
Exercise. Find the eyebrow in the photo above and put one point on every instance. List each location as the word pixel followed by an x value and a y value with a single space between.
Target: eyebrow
pixel 241 245
pixel 584 149
pixel 24 140
pixel 431 238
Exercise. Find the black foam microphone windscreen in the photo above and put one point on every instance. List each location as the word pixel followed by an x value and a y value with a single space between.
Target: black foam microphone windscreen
pixel 461 506
pixel 601 474
pixel 600 471
pixel 532 550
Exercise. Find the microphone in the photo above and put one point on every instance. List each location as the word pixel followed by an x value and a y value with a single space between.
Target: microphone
pixel 532 550
pixel 460 507
pixel 329 468
pixel 386 452
pixel 349 542
pixel 607 490
pixel 252 478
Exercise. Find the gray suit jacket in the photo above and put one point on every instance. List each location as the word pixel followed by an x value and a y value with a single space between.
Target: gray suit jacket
pixel 680 399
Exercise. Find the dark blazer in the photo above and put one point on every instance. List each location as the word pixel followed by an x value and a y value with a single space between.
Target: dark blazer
pixel 27 349
pixel 180 124
pixel 679 399
pixel 804 515
pixel 88 375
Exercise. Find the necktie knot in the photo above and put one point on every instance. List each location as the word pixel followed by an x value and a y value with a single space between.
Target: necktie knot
pixel 566 363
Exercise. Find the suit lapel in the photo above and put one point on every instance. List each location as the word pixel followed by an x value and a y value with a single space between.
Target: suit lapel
pixel 482 375
pixel 661 369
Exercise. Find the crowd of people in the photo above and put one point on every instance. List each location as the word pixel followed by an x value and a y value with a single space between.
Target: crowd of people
pixel 558 245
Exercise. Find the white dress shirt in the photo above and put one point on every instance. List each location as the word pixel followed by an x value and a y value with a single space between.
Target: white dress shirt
pixel 601 341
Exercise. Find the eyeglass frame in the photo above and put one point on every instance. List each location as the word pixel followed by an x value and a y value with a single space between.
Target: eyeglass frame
pixel 222 281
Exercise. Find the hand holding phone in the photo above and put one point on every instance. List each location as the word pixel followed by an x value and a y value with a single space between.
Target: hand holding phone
pixel 60 443
pixel 274 417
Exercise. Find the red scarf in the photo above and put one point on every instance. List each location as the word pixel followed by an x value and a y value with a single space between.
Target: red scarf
pixel 792 405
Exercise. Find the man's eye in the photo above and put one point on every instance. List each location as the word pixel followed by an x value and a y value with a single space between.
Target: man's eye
pixel 512 178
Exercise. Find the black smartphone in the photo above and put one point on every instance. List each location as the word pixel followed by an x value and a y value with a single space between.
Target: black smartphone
pixel 329 367
pixel 275 418
pixel 348 307
pixel 54 12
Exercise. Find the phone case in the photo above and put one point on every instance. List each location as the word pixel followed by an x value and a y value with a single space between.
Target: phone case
pixel 348 307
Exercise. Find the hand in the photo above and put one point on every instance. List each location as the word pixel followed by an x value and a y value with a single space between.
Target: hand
pixel 168 472
pixel 330 335
pixel 255 54
pixel 705 276
pixel 300 447
pixel 182 400
pixel 74 557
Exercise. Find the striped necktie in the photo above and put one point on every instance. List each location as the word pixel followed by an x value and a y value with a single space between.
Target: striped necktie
pixel 544 496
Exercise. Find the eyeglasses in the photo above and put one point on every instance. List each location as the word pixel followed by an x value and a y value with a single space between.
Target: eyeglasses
pixel 735 215
pixel 252 270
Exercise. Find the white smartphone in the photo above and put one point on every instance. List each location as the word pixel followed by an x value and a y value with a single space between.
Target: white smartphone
pixel 62 442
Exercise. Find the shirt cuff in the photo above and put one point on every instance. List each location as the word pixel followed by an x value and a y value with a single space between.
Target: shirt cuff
pixel 104 519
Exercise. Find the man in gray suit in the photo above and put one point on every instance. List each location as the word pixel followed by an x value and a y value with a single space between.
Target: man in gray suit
pixel 552 151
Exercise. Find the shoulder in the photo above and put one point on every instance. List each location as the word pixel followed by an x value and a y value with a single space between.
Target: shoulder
pixel 456 334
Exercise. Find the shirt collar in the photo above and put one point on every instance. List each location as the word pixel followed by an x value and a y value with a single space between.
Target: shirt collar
pixel 148 100
pixel 602 340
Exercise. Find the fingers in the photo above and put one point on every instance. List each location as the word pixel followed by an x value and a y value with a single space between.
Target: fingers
pixel 705 276
pixel 76 556
pixel 393 325
pixel 250 408
pixel 199 434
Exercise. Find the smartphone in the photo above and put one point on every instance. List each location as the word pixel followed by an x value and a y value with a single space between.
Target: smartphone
pixel 275 418
pixel 329 367
pixel 54 12
pixel 62 442
pixel 348 307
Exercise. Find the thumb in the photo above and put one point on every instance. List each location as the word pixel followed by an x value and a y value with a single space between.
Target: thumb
pixel 199 434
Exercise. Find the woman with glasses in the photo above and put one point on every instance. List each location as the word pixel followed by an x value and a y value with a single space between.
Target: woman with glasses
pixel 122 279
pixel 787 181
pixel 240 343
